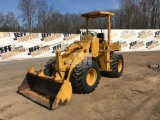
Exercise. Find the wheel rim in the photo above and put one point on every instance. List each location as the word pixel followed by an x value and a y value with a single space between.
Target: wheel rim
pixel 91 77
pixel 119 66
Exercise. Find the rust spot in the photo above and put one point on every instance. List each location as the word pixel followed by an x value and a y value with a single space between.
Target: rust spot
pixel 63 103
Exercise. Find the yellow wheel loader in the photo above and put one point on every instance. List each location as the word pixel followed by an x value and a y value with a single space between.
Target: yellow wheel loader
pixel 78 67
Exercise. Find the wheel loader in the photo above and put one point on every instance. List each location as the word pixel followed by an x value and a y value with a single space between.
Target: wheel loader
pixel 79 68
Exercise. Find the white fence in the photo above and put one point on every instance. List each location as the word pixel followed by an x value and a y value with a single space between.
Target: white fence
pixel 134 40
pixel 19 46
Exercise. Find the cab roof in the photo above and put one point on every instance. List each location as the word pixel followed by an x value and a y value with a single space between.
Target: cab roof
pixel 97 14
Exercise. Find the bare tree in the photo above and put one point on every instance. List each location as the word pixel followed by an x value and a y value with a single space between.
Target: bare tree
pixel 39 16
pixel 154 9
pixel 12 21
pixel 27 8
pixel 1 19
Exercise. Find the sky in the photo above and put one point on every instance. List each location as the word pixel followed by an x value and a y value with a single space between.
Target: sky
pixel 65 6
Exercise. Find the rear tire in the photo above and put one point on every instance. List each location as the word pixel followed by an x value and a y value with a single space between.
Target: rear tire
pixel 86 76
pixel 49 67
pixel 117 64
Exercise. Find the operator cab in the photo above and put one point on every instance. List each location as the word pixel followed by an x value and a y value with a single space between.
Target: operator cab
pixel 98 14
pixel 94 34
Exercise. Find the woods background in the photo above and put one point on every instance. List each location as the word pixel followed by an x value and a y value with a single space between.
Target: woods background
pixel 38 16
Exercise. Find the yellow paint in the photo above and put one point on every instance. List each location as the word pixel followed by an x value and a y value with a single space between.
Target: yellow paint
pixel 119 65
pixel 91 77
pixel 64 95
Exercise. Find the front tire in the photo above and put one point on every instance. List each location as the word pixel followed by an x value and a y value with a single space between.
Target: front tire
pixel 86 76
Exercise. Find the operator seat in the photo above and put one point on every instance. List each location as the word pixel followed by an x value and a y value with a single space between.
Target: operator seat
pixel 101 37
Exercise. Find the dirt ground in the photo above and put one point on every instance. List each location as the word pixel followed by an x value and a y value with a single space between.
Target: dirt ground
pixel 133 96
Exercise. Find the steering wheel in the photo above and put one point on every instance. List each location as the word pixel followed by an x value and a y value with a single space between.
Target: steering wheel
pixel 93 33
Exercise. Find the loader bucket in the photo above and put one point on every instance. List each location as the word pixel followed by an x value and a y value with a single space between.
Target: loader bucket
pixel 44 90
